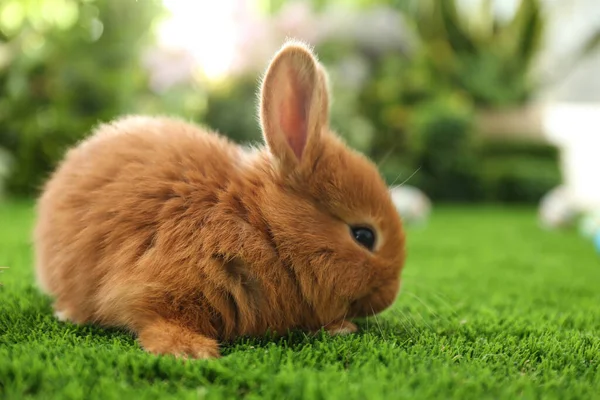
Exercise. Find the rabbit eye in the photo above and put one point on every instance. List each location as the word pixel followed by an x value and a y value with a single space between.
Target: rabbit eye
pixel 364 236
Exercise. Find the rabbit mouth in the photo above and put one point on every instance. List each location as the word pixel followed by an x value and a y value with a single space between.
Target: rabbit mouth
pixel 375 302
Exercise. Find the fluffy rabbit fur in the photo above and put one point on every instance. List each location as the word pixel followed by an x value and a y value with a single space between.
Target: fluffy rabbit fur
pixel 186 239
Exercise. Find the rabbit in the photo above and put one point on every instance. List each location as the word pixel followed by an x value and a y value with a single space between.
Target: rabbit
pixel 187 240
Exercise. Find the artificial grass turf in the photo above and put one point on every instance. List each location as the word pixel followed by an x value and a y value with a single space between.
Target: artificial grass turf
pixel 491 307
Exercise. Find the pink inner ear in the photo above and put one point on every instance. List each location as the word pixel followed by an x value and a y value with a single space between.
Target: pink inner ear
pixel 293 114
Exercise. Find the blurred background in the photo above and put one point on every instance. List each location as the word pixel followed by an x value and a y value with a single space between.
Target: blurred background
pixel 476 101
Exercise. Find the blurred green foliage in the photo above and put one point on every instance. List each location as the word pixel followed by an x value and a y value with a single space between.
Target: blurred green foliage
pixel 422 103
pixel 445 151
pixel 518 171
pixel 231 109
pixel 66 65
pixel 486 56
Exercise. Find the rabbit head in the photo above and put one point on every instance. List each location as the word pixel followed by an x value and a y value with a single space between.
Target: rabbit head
pixel 329 212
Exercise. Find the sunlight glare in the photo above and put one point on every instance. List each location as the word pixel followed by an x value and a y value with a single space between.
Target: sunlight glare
pixel 205 29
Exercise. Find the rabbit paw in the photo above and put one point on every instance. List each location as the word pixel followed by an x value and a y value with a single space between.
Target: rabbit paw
pixel 62 316
pixel 341 328
pixel 164 338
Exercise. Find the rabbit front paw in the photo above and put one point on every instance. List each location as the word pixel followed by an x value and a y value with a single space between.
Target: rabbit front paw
pixel 341 328
pixel 164 338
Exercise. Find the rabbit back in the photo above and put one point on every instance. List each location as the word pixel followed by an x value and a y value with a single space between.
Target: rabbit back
pixel 102 211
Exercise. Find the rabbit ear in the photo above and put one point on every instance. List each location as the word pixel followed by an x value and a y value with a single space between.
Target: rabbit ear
pixel 325 96
pixel 294 104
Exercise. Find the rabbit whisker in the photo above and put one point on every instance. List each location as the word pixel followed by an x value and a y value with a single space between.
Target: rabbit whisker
pixel 377 321
pixel 407 179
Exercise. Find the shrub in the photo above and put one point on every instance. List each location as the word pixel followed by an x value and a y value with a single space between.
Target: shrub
pixel 396 90
pixel 231 109
pixel 519 179
pixel 519 171
pixel 445 150
pixel 494 148
pixel 69 67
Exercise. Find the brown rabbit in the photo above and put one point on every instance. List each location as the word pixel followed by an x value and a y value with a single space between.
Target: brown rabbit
pixel 184 238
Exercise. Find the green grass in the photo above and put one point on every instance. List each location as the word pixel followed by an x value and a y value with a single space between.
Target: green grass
pixel 492 307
